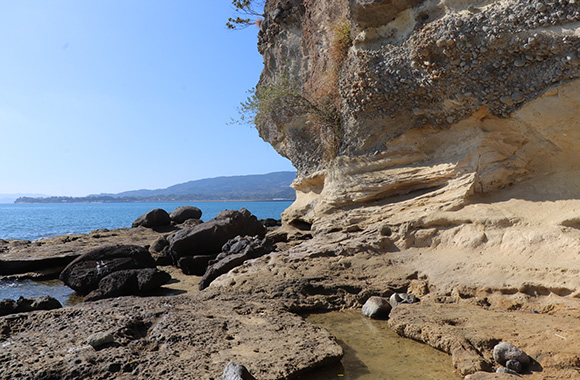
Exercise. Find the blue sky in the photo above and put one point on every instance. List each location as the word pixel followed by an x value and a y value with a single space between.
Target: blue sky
pixel 113 95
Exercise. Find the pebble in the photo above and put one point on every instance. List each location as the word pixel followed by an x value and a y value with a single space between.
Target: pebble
pixel 100 339
pixel 400 298
pixel 506 370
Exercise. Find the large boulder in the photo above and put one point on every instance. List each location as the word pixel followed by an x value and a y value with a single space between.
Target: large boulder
pixel 154 218
pixel 235 253
pixel 85 273
pixel 208 238
pixel 129 282
pixel 181 214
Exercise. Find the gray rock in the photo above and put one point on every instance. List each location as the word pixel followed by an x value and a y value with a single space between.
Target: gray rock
pixel 514 365
pixel 100 339
pixel 506 370
pixel 400 298
pixel 181 214
pixel 235 371
pixel 505 351
pixel 154 218
pixel 377 308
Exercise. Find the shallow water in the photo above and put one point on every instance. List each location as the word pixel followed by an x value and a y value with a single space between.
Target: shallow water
pixel 373 351
pixel 27 288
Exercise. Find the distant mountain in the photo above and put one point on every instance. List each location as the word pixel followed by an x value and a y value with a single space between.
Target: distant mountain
pixel 10 198
pixel 260 187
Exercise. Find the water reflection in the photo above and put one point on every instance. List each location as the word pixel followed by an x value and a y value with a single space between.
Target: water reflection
pixel 373 351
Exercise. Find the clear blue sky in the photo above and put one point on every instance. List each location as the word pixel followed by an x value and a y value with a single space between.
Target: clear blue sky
pixel 113 95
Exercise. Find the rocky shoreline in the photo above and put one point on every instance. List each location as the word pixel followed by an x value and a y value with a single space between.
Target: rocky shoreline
pixel 251 315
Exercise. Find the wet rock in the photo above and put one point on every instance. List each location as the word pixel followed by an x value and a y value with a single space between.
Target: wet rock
pixel 377 308
pixel 154 218
pixel 399 298
pixel 129 282
pixel 235 253
pixel 505 351
pixel 195 265
pixel 183 213
pixel 208 238
pixel 235 371
pixel 24 305
pixel 85 273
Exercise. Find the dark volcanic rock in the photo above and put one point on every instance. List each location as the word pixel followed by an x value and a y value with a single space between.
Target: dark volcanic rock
pixel 181 214
pixel 154 218
pixel 208 238
pixel 159 244
pixel 235 371
pixel 85 273
pixel 235 252
pixel 23 305
pixel 195 265
pixel 129 282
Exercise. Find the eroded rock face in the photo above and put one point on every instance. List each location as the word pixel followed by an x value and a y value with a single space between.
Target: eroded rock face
pixel 439 101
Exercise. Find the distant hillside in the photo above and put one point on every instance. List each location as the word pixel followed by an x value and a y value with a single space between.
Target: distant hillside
pixel 272 186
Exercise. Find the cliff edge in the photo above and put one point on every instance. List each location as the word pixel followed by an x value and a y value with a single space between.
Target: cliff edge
pixel 455 123
pixel 436 144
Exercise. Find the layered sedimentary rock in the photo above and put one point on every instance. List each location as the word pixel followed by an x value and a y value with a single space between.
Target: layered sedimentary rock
pixel 458 128
pixel 439 100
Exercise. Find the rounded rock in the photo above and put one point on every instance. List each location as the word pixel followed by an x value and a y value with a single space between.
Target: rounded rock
pixel 154 218
pixel 181 214
pixel 506 351
pixel 377 308
pixel 514 365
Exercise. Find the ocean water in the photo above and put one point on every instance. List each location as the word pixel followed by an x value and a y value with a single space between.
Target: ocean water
pixel 34 221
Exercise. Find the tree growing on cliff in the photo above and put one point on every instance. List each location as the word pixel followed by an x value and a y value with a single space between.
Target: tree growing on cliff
pixel 248 12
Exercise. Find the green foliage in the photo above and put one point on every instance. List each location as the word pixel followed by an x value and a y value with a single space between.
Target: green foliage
pixel 251 11
pixel 321 105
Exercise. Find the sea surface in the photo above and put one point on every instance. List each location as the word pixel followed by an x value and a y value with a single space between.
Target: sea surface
pixel 35 221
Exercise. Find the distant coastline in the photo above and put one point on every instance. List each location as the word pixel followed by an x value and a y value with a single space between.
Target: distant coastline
pixel 246 188
pixel 90 199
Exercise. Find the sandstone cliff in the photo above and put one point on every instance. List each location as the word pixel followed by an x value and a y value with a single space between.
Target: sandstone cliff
pixel 458 128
